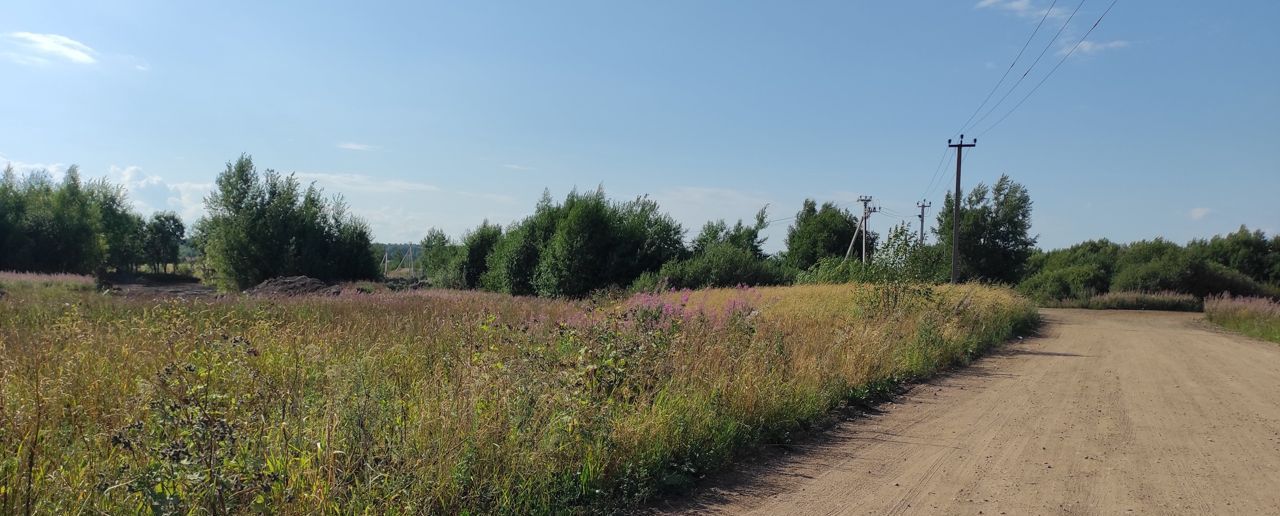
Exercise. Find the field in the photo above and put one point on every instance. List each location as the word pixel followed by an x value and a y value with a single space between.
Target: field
pixel 440 401
pixel 1255 317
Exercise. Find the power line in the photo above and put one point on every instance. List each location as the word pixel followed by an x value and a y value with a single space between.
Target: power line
pixel 1011 65
pixel 1055 68
pixel 1029 68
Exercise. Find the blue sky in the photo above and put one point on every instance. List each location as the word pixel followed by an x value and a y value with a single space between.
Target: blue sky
pixel 1164 122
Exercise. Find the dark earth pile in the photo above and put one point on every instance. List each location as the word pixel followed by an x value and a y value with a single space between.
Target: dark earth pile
pixel 294 286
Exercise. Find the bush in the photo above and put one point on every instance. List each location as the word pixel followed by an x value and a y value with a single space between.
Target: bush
pixel 723 265
pixel 1074 282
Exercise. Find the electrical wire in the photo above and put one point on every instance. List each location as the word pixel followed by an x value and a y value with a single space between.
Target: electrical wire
pixel 1055 68
pixel 1029 68
pixel 1010 68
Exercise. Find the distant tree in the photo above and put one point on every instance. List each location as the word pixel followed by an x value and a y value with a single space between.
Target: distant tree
pixel 163 238
pixel 995 225
pixel 819 233
pixel 122 229
pixel 477 244
pixel 262 226
pixel 740 235
pixel 441 260
pixel 724 256
pixel 576 257
pixel 1248 252
pixel 74 235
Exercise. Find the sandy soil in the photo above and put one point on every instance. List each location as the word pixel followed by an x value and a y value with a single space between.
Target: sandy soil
pixel 1106 413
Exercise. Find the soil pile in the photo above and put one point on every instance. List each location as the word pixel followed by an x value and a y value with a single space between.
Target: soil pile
pixel 294 286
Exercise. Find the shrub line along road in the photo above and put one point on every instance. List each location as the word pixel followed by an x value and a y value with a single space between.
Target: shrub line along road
pixel 1111 412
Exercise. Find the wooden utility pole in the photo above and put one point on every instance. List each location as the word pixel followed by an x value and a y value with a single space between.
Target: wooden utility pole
pixel 955 209
pixel 866 213
pixel 922 205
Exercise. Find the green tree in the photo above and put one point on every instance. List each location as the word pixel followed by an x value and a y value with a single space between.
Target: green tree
pixel 995 225
pixel 163 238
pixel 122 229
pixel 477 244
pixel 819 233
pixel 263 226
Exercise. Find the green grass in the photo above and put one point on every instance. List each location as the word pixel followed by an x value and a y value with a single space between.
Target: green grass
pixel 441 401
pixel 1252 316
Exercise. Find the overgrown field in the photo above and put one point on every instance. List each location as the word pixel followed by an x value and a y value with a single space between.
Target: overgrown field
pixel 1256 317
pixel 441 401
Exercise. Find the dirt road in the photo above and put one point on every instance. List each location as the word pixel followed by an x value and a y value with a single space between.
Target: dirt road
pixel 1106 413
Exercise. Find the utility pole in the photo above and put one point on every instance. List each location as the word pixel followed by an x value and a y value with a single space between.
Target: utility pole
pixel 922 205
pixel 864 199
pixel 386 260
pixel 413 272
pixel 955 209
pixel 866 213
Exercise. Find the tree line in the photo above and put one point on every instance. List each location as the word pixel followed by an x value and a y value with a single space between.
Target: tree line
pixel 70 226
pixel 263 225
pixel 1243 263
pixel 588 242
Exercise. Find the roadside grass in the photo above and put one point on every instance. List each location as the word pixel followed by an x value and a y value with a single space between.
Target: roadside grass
pixel 442 401
pixel 1253 316
pixel 1167 301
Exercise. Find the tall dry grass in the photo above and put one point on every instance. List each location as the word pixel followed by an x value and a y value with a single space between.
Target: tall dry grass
pixel 441 401
pixel 1253 316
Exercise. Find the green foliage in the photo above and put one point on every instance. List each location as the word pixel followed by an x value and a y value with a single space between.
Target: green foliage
pixel 264 226
pixel 1200 269
pixel 720 264
pixel 52 228
pixel 123 231
pixel 901 259
pixel 162 239
pixel 1248 252
pixel 724 256
pixel 995 225
pixel 441 260
pixel 585 244
pixel 476 246
pixel 822 233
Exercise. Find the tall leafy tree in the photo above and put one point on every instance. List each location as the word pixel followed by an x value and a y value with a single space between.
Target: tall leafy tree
pixel 995 231
pixel 262 226
pixel 122 229
pixel 163 238
pixel 819 233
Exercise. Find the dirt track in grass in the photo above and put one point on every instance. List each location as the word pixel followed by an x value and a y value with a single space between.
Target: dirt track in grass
pixel 1107 412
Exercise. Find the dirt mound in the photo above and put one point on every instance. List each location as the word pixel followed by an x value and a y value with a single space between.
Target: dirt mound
pixel 398 284
pixel 294 286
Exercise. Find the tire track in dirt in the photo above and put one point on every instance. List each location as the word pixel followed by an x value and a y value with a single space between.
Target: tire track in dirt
pixel 1106 413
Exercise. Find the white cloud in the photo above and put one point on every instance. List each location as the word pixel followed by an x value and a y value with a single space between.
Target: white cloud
pixel 517 167
pixel 41 47
pixel 1092 47
pixel 1199 213
pixel 363 183
pixel 356 146
pixel 1023 8
pixel 22 168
